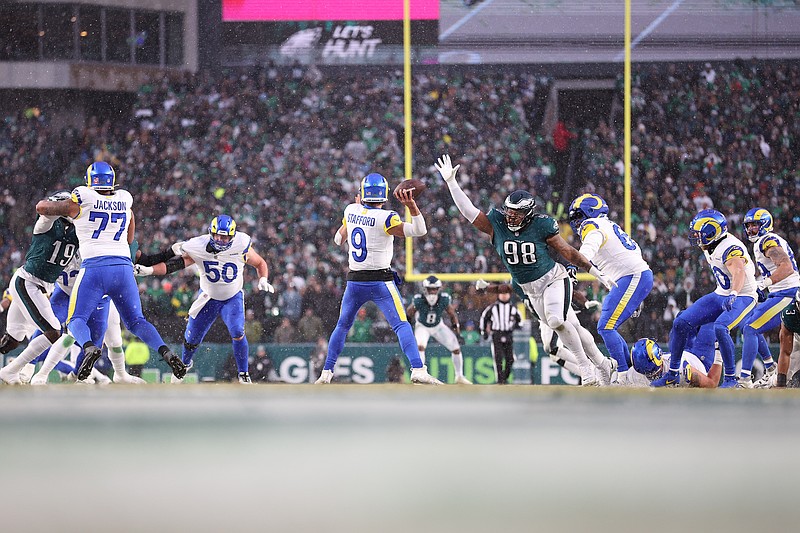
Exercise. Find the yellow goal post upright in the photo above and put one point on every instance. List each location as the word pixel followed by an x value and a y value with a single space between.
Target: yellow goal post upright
pixel 504 276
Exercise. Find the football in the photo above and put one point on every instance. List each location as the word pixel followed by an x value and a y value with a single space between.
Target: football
pixel 417 184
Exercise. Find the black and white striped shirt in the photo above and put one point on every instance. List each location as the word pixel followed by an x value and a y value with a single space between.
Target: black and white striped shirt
pixel 501 317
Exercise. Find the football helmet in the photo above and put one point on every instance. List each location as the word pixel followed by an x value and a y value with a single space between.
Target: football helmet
pixel 518 209
pixel 586 206
pixel 100 176
pixel 758 220
pixel 431 284
pixel 374 188
pixel 60 196
pixel 707 227
pixel 222 225
pixel 647 358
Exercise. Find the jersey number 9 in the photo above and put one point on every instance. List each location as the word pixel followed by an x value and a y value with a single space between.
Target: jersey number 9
pixel 358 240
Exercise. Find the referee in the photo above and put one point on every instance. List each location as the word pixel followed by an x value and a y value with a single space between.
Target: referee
pixel 500 320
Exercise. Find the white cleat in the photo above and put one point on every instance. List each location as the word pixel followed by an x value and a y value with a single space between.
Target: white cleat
pixel 124 377
pixel 420 375
pixel 461 380
pixel 100 378
pixel 26 374
pixel 39 380
pixel 324 378
pixel 605 371
pixel 9 378
pixel 588 376
pixel 745 382
pixel 620 379
pixel 768 380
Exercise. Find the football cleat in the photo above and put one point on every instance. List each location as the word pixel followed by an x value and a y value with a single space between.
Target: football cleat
pixel 606 369
pixel 325 377
pixel 744 382
pixel 91 355
pixel 26 374
pixel 38 380
pixel 589 376
pixel 244 378
pixel 729 382
pixel 9 378
pixel 124 377
pixel 178 367
pixel 174 377
pixel 767 381
pixel 670 379
pixel 421 376
pixel 461 380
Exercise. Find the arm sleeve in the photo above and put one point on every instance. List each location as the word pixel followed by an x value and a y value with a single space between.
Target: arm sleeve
pixel 43 224
pixel 417 227
pixel 462 201
pixel 160 257
pixel 175 264
pixel 592 242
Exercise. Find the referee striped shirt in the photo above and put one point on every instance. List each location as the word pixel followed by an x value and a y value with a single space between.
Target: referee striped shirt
pixel 501 317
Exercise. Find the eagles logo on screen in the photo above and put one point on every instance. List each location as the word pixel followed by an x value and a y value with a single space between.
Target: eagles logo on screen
pixel 302 42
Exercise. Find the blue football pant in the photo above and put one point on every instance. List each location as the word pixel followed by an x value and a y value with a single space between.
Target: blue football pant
pixel 618 307
pixel 232 313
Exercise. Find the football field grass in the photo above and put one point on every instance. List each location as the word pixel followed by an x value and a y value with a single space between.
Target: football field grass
pixel 396 458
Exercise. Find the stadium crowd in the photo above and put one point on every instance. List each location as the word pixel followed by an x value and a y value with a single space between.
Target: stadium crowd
pixel 282 152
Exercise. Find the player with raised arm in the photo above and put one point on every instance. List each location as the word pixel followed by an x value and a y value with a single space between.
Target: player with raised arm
pixel 54 243
pixel 726 307
pixel 221 256
pixel 778 274
pixel 523 240
pixel 429 308
pixel 701 362
pixel 369 231
pixel 614 252
pixel 105 225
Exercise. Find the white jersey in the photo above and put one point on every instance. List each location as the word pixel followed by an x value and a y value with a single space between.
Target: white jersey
pixel 767 267
pixel 612 250
pixel 370 245
pixel 66 281
pixel 102 224
pixel 221 273
pixel 728 247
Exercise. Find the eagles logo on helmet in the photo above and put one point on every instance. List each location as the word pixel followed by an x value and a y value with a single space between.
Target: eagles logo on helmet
pixel 222 230
pixel 431 284
pixel 518 209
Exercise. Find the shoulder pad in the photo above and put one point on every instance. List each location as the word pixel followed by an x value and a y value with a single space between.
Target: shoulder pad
pixel 588 226
pixel 732 251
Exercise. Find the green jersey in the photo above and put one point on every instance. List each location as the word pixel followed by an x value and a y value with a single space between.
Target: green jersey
pixel 524 253
pixel 52 247
pixel 791 318
pixel 430 315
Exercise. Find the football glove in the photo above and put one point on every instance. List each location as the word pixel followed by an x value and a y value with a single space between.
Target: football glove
pixel 761 295
pixel 481 284
pixel 141 270
pixel 264 285
pixel 764 283
pixel 572 272
pixel 607 282
pixel 729 301
pixel 592 304
pixel 445 168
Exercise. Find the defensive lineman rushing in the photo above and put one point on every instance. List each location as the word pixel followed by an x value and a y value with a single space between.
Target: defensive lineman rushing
pixel 523 240
pixel 726 307
pixel 778 270
pixel 369 230
pixel 615 253
pixel 221 256
pixel 53 244
pixel 105 225
pixel 429 308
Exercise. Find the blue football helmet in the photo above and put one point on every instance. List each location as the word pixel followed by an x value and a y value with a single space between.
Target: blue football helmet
pixel 707 227
pixel 100 176
pixel 760 219
pixel 221 225
pixel 647 357
pixel 374 188
pixel 518 209
pixel 586 206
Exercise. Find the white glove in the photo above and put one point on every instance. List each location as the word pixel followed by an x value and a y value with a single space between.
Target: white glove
pixel 445 168
pixel 141 270
pixel 481 284
pixel 764 283
pixel 607 282
pixel 264 285
pixel 592 304
pixel 177 248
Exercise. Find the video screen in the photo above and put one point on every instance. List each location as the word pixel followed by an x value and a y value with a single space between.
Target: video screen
pixel 351 10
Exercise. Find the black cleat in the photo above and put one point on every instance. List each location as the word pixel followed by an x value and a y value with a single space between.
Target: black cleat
pixel 175 363
pixel 244 378
pixel 91 355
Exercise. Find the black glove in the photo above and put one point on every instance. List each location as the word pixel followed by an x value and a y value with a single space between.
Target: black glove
pixel 762 295
pixel 572 272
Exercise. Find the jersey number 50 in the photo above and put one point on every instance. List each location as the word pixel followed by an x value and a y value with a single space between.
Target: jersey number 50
pixel 519 252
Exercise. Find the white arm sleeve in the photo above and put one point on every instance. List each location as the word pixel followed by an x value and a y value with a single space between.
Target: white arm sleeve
pixel 43 224
pixel 591 245
pixel 337 238
pixel 417 227
pixel 463 203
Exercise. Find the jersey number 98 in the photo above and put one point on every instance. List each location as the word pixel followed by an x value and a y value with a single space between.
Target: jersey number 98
pixel 519 252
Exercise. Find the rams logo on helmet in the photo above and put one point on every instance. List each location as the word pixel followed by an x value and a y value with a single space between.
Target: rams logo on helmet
pixel 586 206
pixel 757 223
pixel 647 358
pixel 222 230
pixel 707 226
